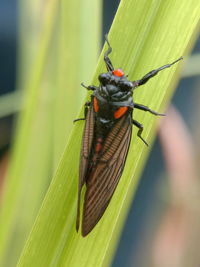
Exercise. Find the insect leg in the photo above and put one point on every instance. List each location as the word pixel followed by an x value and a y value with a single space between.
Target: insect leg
pixel 109 65
pixel 152 73
pixel 145 108
pixel 87 104
pixel 140 127
pixel 90 87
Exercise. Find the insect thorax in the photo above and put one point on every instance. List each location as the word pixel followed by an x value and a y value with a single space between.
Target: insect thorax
pixel 112 96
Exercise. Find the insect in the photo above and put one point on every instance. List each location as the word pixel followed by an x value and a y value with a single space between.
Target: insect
pixel 106 139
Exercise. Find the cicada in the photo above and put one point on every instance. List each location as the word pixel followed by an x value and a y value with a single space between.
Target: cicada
pixel 106 138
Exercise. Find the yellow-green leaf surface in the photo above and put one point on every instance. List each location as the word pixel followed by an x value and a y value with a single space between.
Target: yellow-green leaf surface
pixel 28 174
pixel 47 31
pixel 75 29
pixel 145 35
pixel 10 103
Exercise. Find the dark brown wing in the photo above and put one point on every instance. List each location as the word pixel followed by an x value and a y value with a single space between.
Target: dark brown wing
pixel 85 152
pixel 105 175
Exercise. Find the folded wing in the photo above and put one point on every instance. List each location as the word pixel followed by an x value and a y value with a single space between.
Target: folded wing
pixel 105 175
pixel 84 158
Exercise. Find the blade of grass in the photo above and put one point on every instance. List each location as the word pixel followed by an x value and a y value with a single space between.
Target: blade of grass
pixel 10 104
pixel 157 33
pixel 31 164
pixel 28 175
pixel 72 55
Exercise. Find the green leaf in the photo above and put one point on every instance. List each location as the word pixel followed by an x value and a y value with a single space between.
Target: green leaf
pixel 28 174
pixel 9 104
pixel 49 65
pixel 144 35
pixel 73 52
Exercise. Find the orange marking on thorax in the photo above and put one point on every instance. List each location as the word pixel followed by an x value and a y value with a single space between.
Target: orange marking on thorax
pixel 120 112
pixel 95 104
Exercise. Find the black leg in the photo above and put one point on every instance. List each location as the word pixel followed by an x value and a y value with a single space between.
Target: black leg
pixel 90 87
pixel 152 73
pixel 145 108
pixel 140 127
pixel 109 65
pixel 87 104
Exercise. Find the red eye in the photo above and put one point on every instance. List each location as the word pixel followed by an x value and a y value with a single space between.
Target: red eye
pixel 118 72
pixel 95 105
pixel 120 112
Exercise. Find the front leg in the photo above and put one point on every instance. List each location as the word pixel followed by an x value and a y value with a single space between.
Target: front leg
pixel 145 108
pixel 87 104
pixel 107 60
pixel 140 127
pixel 152 73
pixel 90 87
